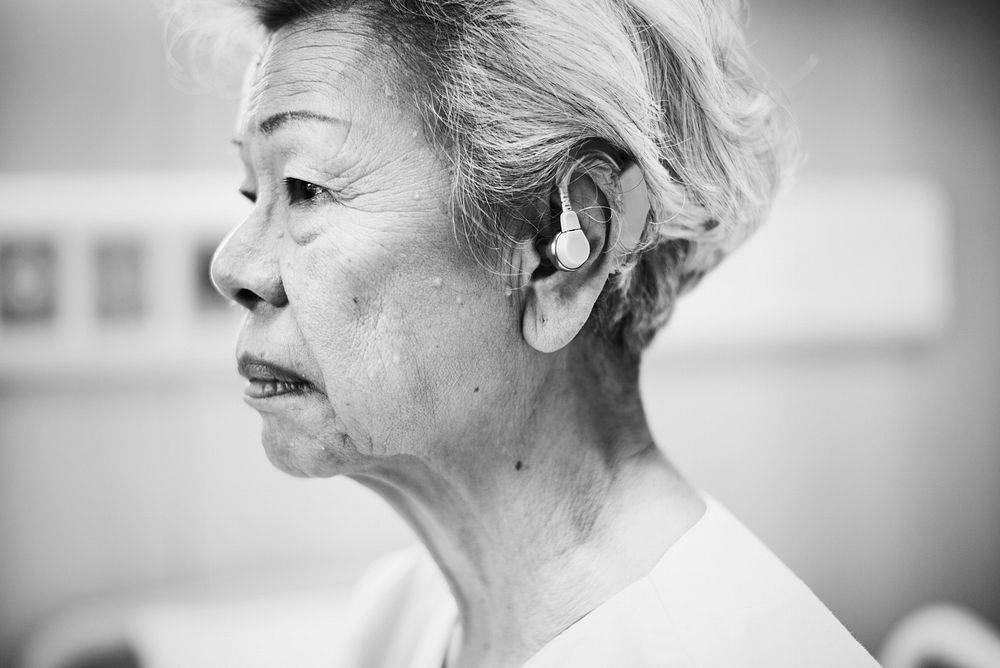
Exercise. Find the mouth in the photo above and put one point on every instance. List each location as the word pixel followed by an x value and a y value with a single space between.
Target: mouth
pixel 268 380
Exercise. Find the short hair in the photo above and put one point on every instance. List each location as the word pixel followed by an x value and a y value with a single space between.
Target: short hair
pixel 511 88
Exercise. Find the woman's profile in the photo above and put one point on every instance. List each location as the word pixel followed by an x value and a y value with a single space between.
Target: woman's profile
pixel 469 220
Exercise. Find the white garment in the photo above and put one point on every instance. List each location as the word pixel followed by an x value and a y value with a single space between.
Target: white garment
pixel 717 597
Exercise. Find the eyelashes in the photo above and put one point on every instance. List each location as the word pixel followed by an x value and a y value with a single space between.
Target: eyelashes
pixel 298 192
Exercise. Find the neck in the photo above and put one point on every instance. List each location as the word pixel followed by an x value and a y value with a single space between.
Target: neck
pixel 535 528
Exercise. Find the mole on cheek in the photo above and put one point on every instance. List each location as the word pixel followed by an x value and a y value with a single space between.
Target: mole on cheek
pixel 518 465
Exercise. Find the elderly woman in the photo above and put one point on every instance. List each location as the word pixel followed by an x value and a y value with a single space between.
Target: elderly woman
pixel 469 220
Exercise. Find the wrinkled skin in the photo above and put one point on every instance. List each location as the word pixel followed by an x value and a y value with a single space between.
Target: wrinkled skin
pixel 357 282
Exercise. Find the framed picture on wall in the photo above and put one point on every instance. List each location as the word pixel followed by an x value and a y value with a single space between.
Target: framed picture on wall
pixel 119 280
pixel 28 281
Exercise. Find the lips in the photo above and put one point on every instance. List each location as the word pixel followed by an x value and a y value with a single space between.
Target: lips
pixel 262 389
pixel 269 380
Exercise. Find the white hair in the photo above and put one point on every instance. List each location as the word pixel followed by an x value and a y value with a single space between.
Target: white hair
pixel 510 89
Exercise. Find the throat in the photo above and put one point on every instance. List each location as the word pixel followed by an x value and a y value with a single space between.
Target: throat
pixel 524 569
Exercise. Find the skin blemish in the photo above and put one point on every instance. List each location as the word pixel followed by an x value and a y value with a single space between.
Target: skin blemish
pixel 476 390
pixel 354 299
pixel 518 465
pixel 437 282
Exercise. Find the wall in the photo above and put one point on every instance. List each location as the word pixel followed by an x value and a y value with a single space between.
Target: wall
pixel 895 452
pixel 874 470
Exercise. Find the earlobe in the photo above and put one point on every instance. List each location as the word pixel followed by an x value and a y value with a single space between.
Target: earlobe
pixel 555 311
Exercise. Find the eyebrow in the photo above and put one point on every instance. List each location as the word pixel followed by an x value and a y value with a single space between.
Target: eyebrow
pixel 270 124
pixel 273 122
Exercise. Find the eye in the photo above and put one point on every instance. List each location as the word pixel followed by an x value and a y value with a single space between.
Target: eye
pixel 302 191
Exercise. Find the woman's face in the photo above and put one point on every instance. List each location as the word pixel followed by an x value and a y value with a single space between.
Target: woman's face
pixel 350 271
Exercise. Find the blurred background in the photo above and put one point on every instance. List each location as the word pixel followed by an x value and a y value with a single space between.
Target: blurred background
pixel 836 383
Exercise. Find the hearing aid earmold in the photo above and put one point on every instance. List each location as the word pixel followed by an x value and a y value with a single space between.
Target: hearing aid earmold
pixel 569 248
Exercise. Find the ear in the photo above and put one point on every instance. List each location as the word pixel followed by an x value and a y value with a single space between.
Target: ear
pixel 558 303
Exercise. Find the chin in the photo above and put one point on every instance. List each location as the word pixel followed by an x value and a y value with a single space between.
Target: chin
pixel 305 456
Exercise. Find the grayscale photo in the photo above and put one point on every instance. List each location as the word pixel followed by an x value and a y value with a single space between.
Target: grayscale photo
pixel 499 334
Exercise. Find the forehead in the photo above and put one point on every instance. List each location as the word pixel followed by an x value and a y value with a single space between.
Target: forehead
pixel 327 65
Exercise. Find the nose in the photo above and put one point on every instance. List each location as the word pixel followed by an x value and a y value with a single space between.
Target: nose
pixel 245 267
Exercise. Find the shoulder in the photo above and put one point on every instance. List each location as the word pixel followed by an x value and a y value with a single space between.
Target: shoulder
pixel 717 597
pixel 731 598
pixel 397 608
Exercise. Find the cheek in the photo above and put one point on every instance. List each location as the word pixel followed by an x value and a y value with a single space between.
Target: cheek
pixel 354 302
pixel 395 330
pixel 330 292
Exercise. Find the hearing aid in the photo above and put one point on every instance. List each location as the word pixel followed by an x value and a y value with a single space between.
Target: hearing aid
pixel 569 248
pixel 635 206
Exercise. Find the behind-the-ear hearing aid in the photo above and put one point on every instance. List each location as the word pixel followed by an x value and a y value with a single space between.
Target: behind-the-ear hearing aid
pixel 569 248
pixel 635 206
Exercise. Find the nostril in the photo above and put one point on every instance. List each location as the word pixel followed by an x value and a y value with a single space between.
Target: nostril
pixel 246 298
